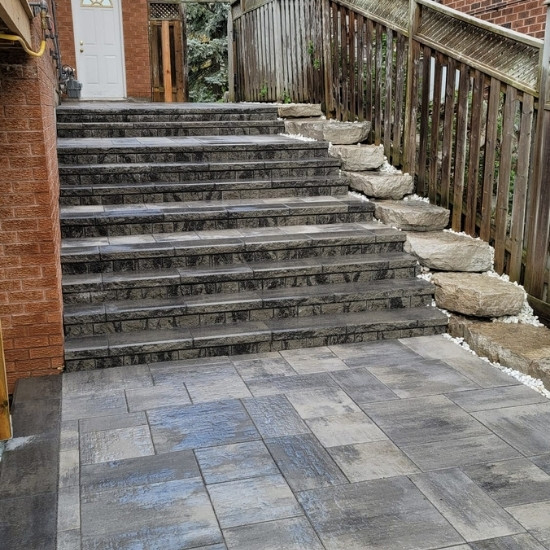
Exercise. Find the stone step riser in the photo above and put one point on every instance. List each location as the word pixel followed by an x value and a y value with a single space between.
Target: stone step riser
pixel 192 286
pixel 173 129
pixel 73 156
pixel 246 312
pixel 101 227
pixel 104 262
pixel 243 345
pixel 145 116
pixel 88 196
pixel 126 174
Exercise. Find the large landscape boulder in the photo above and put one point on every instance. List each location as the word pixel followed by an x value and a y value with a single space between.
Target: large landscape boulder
pixel 358 157
pixel 299 110
pixel 477 295
pixel 413 215
pixel 446 251
pixel 381 185
pixel 522 347
pixel 337 133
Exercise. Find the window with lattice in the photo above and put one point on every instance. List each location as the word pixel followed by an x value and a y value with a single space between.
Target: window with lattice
pixel 164 11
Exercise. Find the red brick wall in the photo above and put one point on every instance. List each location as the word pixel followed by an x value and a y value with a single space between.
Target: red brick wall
pixel 30 271
pixel 136 48
pixel 526 16
pixel 135 22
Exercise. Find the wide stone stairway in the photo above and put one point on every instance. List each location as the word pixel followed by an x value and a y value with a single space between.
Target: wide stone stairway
pixel 196 230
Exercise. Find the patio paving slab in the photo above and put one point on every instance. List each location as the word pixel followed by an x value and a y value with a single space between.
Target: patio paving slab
pixel 391 447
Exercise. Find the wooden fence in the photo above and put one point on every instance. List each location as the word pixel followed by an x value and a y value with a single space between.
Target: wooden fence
pixel 167 51
pixel 5 423
pixel 458 102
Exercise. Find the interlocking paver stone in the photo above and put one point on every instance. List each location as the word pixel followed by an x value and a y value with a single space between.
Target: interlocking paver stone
pixel 202 425
pixel 362 386
pixel 306 361
pixel 514 542
pixel 534 517
pixel 378 459
pixel 282 534
pixel 383 514
pixel 322 402
pixel 238 461
pixel 345 429
pixel 467 508
pixel 259 499
pixel 304 462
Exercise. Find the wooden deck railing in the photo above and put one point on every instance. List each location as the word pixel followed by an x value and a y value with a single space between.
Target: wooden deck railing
pixel 460 103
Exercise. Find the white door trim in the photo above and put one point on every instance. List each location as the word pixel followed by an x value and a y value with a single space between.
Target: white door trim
pixel 77 11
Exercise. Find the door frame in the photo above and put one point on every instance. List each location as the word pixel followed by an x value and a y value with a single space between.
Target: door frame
pixel 122 52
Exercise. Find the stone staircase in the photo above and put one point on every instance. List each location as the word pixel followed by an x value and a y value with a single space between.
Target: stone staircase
pixel 196 230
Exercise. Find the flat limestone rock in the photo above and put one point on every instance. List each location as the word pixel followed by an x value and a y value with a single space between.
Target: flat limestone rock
pixel 346 133
pixel 412 215
pixel 299 110
pixel 381 185
pixel 337 133
pixel 477 295
pixel 358 157
pixel 446 251
pixel 521 347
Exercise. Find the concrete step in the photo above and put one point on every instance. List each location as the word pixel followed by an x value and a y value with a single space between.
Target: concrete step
pixel 214 248
pixel 109 112
pixel 199 310
pixel 155 192
pixel 144 219
pixel 117 173
pixel 96 288
pixel 157 128
pixel 116 349
pixel 205 149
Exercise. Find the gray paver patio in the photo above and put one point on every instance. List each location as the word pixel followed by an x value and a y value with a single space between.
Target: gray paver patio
pixel 405 444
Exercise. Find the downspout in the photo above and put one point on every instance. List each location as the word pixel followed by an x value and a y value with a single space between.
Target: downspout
pixel 22 41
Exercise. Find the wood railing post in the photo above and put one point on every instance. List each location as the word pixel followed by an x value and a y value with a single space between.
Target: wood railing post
pixel 539 213
pixel 5 424
pixel 166 62
pixel 326 34
pixel 230 57
pixel 411 102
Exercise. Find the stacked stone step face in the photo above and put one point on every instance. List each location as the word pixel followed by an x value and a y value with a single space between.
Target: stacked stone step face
pixel 179 246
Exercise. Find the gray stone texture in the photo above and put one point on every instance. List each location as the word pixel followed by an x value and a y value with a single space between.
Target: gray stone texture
pixel 299 110
pixel 357 158
pixel 380 185
pixel 337 133
pixel 477 295
pixel 446 251
pixel 412 215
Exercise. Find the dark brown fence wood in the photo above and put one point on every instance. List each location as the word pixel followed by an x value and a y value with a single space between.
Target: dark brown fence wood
pixel 5 423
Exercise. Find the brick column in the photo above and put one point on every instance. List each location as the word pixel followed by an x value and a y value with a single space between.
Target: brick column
pixel 30 271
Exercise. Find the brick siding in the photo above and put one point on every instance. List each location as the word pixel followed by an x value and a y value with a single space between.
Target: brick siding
pixel 526 16
pixel 30 272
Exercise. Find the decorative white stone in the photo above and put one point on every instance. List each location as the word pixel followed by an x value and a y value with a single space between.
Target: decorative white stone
pixel 337 133
pixel 477 295
pixel 381 185
pixel 358 157
pixel 446 251
pixel 412 215
pixel 299 110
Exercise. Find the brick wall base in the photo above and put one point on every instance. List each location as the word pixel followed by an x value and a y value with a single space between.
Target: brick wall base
pixel 526 16
pixel 30 270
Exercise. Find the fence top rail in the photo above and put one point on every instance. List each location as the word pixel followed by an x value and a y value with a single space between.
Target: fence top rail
pixel 393 14
pixel 485 25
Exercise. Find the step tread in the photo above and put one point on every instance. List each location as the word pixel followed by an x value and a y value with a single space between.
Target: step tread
pixel 322 264
pixel 186 338
pixel 145 125
pixel 233 239
pixel 229 208
pixel 232 143
pixel 204 303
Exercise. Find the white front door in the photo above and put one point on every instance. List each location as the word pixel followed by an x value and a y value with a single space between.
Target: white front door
pixel 99 50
